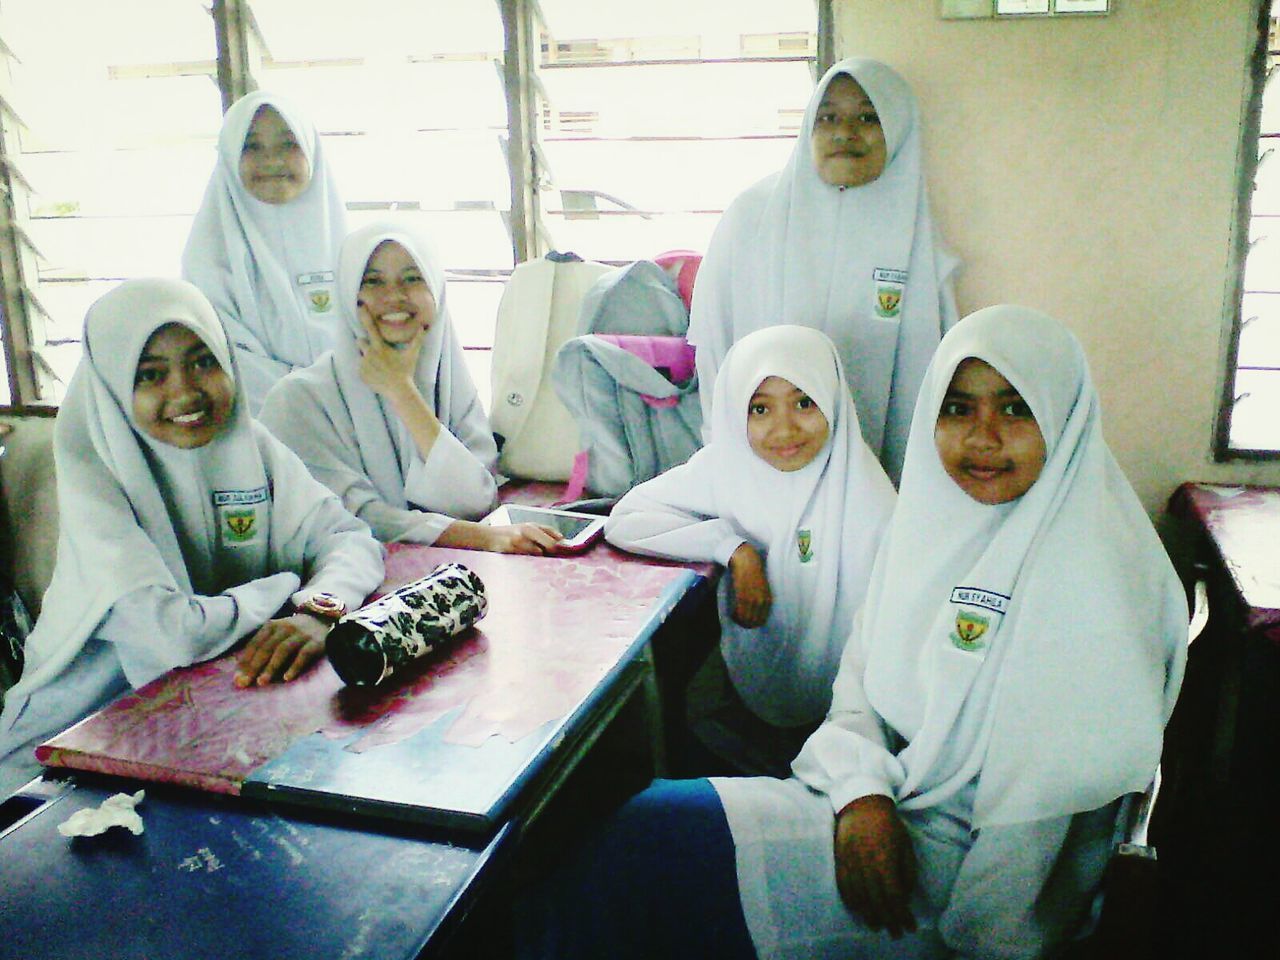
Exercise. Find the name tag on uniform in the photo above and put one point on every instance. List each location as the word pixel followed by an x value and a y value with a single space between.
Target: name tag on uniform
pixel 321 297
pixel 976 597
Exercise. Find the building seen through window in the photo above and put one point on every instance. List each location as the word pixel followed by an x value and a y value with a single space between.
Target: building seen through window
pixel 648 122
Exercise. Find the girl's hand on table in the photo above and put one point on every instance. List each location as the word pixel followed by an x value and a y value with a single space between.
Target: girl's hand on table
pixel 534 538
pixel 281 650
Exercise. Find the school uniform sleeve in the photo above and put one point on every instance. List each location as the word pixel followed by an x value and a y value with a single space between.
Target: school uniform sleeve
pixel 710 319
pixel 848 756
pixel 260 373
pixel 258 370
pixel 466 419
pixel 332 458
pixel 950 313
pixel 340 555
pixel 155 629
pixel 673 516
pixel 452 479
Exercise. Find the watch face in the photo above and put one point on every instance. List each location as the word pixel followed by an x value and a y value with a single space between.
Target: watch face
pixel 324 605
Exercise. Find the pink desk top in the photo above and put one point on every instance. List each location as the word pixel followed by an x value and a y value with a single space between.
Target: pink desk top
pixel 1243 524
pixel 457 732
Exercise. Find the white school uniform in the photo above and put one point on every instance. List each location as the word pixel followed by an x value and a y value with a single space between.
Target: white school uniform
pixel 817 528
pixel 268 269
pixel 353 441
pixel 165 556
pixel 1008 681
pixel 862 264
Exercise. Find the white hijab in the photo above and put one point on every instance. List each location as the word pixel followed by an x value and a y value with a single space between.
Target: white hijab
pixel 135 512
pixel 842 498
pixel 352 408
pixel 1060 706
pixel 794 249
pixel 268 269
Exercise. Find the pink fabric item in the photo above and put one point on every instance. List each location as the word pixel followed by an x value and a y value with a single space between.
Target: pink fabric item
pixel 673 353
pixel 687 263
pixel 577 478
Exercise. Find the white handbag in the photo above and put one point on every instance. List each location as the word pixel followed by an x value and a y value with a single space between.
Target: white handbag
pixel 538 312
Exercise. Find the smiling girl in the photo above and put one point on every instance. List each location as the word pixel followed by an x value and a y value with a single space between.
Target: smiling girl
pixel 788 497
pixel 390 420
pixel 1004 690
pixel 264 244
pixel 183 525
pixel 842 240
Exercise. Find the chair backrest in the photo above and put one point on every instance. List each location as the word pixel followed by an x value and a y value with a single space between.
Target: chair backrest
pixel 1128 926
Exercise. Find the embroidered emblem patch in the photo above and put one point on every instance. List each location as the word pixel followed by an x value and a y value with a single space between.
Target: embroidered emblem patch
pixel 804 543
pixel 240 524
pixel 889 287
pixel 238 513
pixel 888 302
pixel 970 628
pixel 320 301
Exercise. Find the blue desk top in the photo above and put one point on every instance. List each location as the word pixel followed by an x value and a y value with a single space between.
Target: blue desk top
pixel 214 877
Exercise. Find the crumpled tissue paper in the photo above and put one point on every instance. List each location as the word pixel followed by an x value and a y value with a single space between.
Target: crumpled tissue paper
pixel 116 811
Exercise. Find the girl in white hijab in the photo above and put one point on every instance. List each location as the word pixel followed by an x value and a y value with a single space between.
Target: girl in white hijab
pixel 184 525
pixel 1005 686
pixel 841 240
pixel 264 244
pixel 390 419
pixel 788 497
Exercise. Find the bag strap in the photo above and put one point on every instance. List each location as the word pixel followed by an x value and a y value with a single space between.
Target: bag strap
pixel 577 484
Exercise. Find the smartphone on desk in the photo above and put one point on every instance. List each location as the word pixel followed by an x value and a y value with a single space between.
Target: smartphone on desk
pixel 580 530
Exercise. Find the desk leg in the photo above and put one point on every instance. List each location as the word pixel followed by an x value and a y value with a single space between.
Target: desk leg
pixel 654 713
pixel 1222 748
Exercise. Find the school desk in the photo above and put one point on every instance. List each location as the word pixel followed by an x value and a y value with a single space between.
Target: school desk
pixel 1240 531
pixel 213 877
pixel 484 731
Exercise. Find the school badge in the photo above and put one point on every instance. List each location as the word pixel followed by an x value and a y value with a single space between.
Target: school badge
pixel 889 287
pixel 970 628
pixel 240 524
pixel 804 543
pixel 320 301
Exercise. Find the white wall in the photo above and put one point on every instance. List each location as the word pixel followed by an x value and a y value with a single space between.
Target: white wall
pixel 1086 166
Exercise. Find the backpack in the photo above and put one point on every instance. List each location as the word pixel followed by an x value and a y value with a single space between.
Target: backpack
pixel 628 379
pixel 537 438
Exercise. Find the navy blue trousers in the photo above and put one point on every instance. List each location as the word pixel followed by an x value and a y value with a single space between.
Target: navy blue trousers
pixel 657 880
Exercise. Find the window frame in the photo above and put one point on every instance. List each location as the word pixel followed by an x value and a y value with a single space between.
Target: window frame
pixel 1247 167
pixel 238 55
